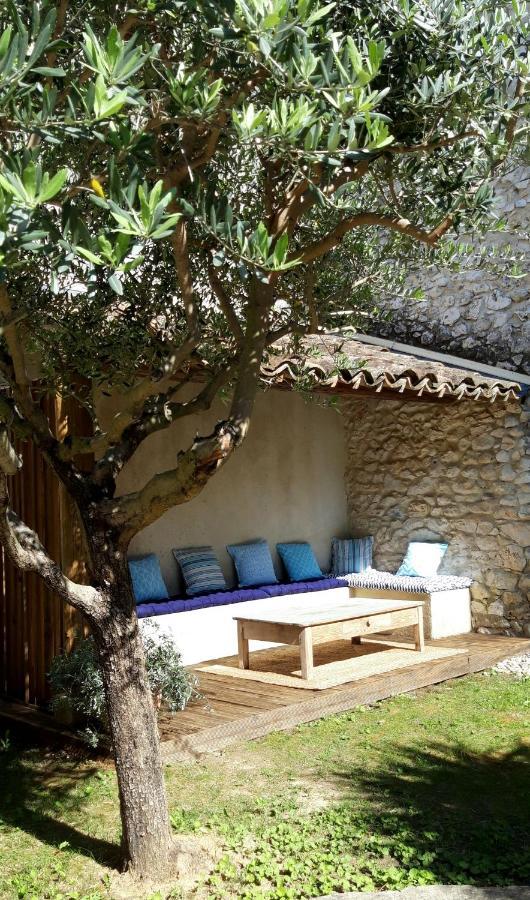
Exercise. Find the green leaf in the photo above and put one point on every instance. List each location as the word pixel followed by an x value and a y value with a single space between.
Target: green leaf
pixel 51 72
pixel 29 179
pixel 115 284
pixel 5 41
pixel 319 14
pixel 91 257
pixel 52 187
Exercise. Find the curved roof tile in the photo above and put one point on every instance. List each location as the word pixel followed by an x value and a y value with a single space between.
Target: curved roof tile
pixel 339 364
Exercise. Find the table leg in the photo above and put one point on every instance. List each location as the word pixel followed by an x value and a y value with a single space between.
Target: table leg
pixel 242 647
pixel 419 640
pixel 306 652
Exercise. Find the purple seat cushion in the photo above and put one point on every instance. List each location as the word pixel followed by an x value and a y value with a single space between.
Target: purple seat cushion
pixel 239 595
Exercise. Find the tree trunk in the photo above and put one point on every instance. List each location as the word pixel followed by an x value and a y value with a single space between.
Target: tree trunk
pixel 146 831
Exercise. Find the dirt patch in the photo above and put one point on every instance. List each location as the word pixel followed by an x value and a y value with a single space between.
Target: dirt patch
pixel 316 794
pixel 196 856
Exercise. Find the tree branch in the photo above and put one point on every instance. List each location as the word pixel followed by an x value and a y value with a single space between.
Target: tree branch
pixel 195 466
pixel 225 304
pixel 179 243
pixel 427 146
pixel 25 550
pixel 403 226
pixel 300 199
pixel 156 418
pixel 179 174
pixel 133 405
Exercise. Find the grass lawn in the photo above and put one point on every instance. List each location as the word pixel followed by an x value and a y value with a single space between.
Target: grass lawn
pixel 419 789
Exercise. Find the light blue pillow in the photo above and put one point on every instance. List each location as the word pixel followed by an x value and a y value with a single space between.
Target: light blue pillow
pixel 351 555
pixel 422 559
pixel 299 561
pixel 147 582
pixel 201 570
pixel 253 563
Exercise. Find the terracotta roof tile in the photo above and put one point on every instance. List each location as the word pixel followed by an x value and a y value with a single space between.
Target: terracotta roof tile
pixel 341 364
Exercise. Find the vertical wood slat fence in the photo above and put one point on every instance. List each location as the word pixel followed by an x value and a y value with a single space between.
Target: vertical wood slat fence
pixel 35 624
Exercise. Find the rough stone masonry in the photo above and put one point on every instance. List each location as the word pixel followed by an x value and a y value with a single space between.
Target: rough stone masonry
pixel 458 472
pixel 477 313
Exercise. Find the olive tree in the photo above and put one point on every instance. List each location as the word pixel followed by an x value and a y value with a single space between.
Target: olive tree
pixel 182 185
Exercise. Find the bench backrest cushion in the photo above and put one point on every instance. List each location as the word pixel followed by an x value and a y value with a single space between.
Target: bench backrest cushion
pixel 200 569
pixel 351 555
pixel 146 578
pixel 253 562
pixel 299 561
pixel 422 559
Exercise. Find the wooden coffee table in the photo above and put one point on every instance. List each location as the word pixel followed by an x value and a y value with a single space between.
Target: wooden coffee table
pixel 307 624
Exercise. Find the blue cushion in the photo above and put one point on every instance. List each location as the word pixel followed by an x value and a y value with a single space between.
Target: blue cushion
pixel 352 555
pixel 182 604
pixel 146 577
pixel 200 569
pixel 253 563
pixel 422 559
pixel 299 561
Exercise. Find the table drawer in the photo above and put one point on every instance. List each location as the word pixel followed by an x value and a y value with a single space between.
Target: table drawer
pixel 366 625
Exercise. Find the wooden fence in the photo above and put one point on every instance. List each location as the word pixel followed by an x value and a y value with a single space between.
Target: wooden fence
pixel 34 623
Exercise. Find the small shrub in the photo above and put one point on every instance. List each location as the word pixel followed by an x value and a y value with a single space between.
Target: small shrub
pixel 168 678
pixel 78 694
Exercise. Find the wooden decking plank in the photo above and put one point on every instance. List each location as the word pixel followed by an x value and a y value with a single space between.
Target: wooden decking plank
pixel 215 711
pixel 244 698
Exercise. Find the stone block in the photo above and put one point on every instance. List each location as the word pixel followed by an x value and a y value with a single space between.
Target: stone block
pixel 500 579
pixel 519 532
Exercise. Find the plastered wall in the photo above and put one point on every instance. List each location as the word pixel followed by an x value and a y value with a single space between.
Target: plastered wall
pixel 285 483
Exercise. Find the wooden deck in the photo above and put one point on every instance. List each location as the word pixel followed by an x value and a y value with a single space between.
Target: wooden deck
pixel 234 710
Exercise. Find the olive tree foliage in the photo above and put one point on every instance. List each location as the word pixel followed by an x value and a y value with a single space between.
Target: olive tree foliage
pixel 171 171
pixel 182 185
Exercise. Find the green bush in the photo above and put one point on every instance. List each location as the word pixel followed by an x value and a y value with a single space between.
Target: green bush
pixel 77 684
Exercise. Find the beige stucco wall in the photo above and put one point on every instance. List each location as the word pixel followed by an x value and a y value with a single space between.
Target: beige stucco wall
pixel 456 472
pixel 285 483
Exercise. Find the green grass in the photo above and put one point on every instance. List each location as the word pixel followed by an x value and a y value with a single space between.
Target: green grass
pixel 432 788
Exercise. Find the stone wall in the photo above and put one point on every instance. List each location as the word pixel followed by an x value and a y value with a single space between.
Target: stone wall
pixel 474 313
pixel 458 472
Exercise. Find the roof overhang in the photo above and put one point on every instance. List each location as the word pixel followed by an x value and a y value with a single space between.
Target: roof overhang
pixel 342 365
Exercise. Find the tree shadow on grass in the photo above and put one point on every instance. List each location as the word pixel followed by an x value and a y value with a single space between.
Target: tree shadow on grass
pixel 36 798
pixel 463 816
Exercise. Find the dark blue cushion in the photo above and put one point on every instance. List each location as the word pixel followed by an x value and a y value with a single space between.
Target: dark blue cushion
pixel 299 561
pixel 303 587
pixel 146 578
pixel 253 563
pixel 223 598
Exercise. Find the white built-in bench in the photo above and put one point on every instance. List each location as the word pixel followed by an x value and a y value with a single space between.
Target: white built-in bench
pixel 208 631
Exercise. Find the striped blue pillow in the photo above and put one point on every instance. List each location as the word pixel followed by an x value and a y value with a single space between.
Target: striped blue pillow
pixel 200 569
pixel 353 555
